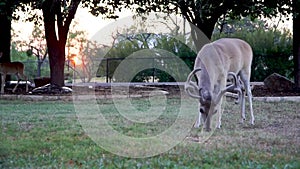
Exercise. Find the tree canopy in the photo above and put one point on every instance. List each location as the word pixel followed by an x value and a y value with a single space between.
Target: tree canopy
pixel 202 13
pixel 296 41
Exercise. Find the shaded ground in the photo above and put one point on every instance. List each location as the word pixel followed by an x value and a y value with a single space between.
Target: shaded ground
pixel 262 91
pixel 257 91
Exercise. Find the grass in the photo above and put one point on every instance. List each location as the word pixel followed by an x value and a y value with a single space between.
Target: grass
pixel 49 135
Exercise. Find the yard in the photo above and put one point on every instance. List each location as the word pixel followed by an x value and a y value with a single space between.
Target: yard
pixel 49 135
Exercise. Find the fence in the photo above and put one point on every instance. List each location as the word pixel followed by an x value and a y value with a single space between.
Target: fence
pixel 162 69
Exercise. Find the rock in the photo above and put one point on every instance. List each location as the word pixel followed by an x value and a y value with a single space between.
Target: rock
pixel 51 89
pixel 276 82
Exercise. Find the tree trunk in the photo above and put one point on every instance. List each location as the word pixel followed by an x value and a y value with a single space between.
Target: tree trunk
pixel 296 41
pixel 5 35
pixel 201 32
pixel 201 27
pixel 56 54
pixel 201 35
pixel 56 41
pixel 57 63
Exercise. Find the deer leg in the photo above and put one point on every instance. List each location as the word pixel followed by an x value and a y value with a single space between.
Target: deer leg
pixel 3 76
pixel 249 93
pixel 198 121
pixel 242 99
pixel 246 80
pixel 243 116
pixel 220 117
pixel 18 77
pixel 220 112
pixel 26 83
pixel 26 87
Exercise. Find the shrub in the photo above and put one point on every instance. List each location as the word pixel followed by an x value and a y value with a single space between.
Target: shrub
pixel 155 51
pixel 272 48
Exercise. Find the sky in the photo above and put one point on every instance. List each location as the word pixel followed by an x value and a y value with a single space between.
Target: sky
pixel 87 22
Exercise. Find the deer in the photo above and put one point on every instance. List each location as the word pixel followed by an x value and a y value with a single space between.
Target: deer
pixel 216 62
pixel 12 68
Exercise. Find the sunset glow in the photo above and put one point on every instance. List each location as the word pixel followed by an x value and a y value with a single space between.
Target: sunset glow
pixel 76 60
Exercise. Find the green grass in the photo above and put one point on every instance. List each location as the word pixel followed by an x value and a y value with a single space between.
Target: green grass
pixel 49 135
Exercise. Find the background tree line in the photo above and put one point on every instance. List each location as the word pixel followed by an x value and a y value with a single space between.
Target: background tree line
pixel 201 13
pixel 272 49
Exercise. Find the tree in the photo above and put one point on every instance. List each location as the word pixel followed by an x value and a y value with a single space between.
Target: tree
pixel 296 41
pixel 81 54
pixel 35 51
pixel 149 50
pixel 38 47
pixel 204 14
pixel 57 17
pixel 272 48
pixel 7 8
pixel 57 14
pixel 6 11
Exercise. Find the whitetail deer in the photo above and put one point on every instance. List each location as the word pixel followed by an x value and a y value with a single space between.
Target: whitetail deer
pixel 12 68
pixel 216 61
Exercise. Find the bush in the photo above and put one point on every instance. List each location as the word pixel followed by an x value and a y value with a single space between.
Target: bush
pixel 156 51
pixel 272 48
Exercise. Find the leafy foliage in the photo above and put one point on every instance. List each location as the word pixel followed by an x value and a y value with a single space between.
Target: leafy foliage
pixel 203 13
pixel 272 48
pixel 38 47
pixel 30 63
pixel 146 47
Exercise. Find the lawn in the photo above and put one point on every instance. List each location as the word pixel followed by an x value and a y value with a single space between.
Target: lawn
pixel 50 135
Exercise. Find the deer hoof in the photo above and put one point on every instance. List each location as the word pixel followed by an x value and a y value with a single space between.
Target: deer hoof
pixel 196 125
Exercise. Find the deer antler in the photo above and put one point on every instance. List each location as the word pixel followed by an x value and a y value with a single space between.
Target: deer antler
pixel 235 86
pixel 192 85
